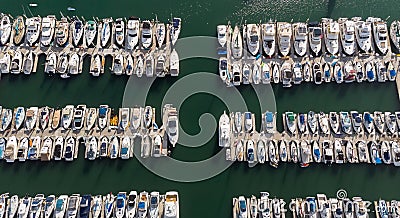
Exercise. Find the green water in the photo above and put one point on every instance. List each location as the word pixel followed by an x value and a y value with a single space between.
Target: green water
pixel 200 18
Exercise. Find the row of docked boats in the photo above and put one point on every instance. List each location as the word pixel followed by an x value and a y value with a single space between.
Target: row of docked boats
pixel 130 34
pixel 296 72
pixel 122 205
pixel 66 64
pixel 254 207
pixel 348 36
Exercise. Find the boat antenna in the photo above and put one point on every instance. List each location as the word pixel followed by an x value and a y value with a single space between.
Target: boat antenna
pixel 30 11
pixel 83 19
pixel 62 15
pixel 11 16
pixel 68 18
pixel 308 19
pixel 387 17
pixel 23 9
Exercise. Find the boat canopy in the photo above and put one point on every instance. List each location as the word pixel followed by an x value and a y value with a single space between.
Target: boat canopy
pixel 368 118
pixel 176 22
pixel 291 117
pixel 302 118
pixel 392 73
pixel 370 74
pixel 141 205
pixel 269 117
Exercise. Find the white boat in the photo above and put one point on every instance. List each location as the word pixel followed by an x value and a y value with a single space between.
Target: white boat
pixel 31 118
pixel 368 121
pixel 23 207
pixel 132 33
pixel 349 72
pixel 90 33
pixel 33 28
pixel 345 122
pixel 118 64
pixel 290 122
pixel 360 75
pixel 124 118
pixel 347 35
pixel 261 151
pixel 379 121
pixel 58 148
pixel 154 205
pixel 5 29
pixel 129 65
pixel 237 43
pixel 36 206
pixel 317 153
pixel 96 66
pixel 386 153
pixel 283 150
pixel 266 73
pixel 381 71
pixel 297 73
pixel 307 73
pixel 12 206
pixel 338 152
pixel 317 73
pixel 360 207
pixel 250 152
pixel 91 148
pixel 338 73
pixel 74 62
pixel 300 34
pixel 139 65
pixel 269 38
pixel 47 31
pixel 143 205
pixel 19 117
pixel 269 122
pixel 272 153
pixel 390 121
pixel 331 35
pixel 380 32
pixel 109 205
pixel 149 66
pixel 173 127
pixel 18 30
pixel 157 146
pixel 119 32
pixel 136 117
pixel 28 63
pixel 363 35
pixel 16 62
pixel 294 151
pixel 62 32
pixel 395 153
pixel 253 207
pixel 237 74
pixel 72 206
pixel 160 68
pixel 395 34
pixel 103 147
pixel 302 123
pixel 174 63
pixel 327 72
pixel 51 63
pixel 256 74
pixel 305 153
pixel 224 131
pixel 356 120
pixel 221 34
pixel 106 26
pixel 49 206
pixel 6 118
pixel 131 206
pixel 253 38
pixel 370 71
pixel 46 151
pixel 148 117
pixel 67 116
pixel 147 34
pixel 171 204
pixel 97 206
pixel 146 150
pixel 103 116
pixel 323 123
pixel 62 65
pixel 223 71
pixel 120 204
pixel 22 150
pixel 284 37
pixel 91 118
pixel 334 122
pixel 160 34
pixel 125 152
pixel 286 74
pixel 315 37
pixel 77 30
pixel 175 29
pixel 391 71
pixel 240 150
pixel 2 149
pixel 246 74
pixel 34 148
pixel 5 63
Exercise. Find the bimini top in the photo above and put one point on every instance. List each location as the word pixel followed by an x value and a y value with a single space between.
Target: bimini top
pixel 103 111
pixel 176 22
pixel 368 118
pixel 268 117
pixel 141 205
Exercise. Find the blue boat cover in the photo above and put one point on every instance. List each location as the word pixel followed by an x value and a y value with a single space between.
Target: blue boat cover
pixel 392 73
pixel 327 73
pixel 222 52
pixel 247 115
pixel 103 111
pixel 268 117
pixel 317 153
pixel 153 200
pixel 378 160
pixel 339 73
pixel 141 205
pixel 370 74
pixel 302 118
pixel 176 23
pixel 124 150
pixel 242 205
pixel 59 204
pixel 368 118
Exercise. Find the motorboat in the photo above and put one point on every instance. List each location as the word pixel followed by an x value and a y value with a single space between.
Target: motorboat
pixel 16 62
pixel 240 150
pixel 62 32
pixel 237 74
pixel 237 43
pixel 22 150
pixel 315 36
pixel 18 30
pixel 58 148
pixel 223 72
pixel 395 153
pixel 347 35
pixel 300 38
pixel 297 73
pixel 248 122
pixel 173 128
pixel 51 63
pixel 136 118
pixel 31 118
pixel 103 147
pixel 380 33
pixel 36 206
pixel 345 122
pixel 386 152
pixel 370 71
pixel 48 29
pixel 283 150
pixel 221 34
pixel 349 72
pixel 146 147
pixel 266 73
pixel 374 152
pixel 338 73
pixel 120 205
pixel 246 74
pixel 294 151
pixel 256 74
pixel 124 114
pixel 23 207
pixel 91 118
pixel 6 118
pixel 395 34
pixel 323 121
pixel 286 74
pixel 302 123
pixel 174 63
pixel 171 204
pixel 324 206
pixel 312 120
pixel 356 120
pixel 363 34
pixel 132 33
pixel 69 149
pixel 125 152
pixel 331 35
pixel 284 37
pixel 129 64
pixel 316 151
pixel 350 151
pixel 338 152
pixel 85 206
pixel 72 206
pixel 28 63
pixel 67 116
pixel 269 122
pixel 149 66
pixel 147 34
pixel 147 117
pixel 359 68
pixel 391 71
pixel 19 117
pixel 381 71
pixel 33 28
pixel 49 206
pixel 334 122
pixel 34 148
pixel 5 29
pixel 77 30
pixel 390 121
pixel 253 206
pixel 160 68
pixel 143 205
pixel 250 151
pixel 305 153
pixel 368 121
pixel 253 38
pixel 97 206
pixel 55 119
pixel 175 29
pixel 103 116
pixel 383 209
pixel 96 66
pixel 264 205
pixel 3 142
pixel 261 151
pixel 119 32
pixel 327 74
pixel 132 203
pixel 307 74
pixel 90 33
pixel 91 152
pixel 118 64
pixel 46 151
pixel 62 65
pixel 109 202
pixel 160 34
pixel 379 121
pixel 317 73
pixel 272 153
pixel 106 28
pixel 73 66
pixel 5 63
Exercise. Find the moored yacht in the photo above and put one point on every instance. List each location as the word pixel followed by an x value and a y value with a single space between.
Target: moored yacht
pixel 174 63
pixel 6 118
pixel 175 29
pixel 91 118
pixel 221 34
pixel 312 120
pixel 47 31
pixel 23 207
pixel 315 37
pixel 345 122
pixel 97 206
pixel 370 71
pixel 19 117
pixel 300 36
pixel 323 121
pixel 46 151
pixel 5 29
pixel 131 206
pixel 253 38
pixel 5 63
pixel 147 34
pixel 160 34
pixel 91 152
pixel 77 30
pixel 119 32
pixel 171 204
pixel 381 71
pixel 73 66
pixel 395 34
pixel 106 28
pixel 72 206
pixel 96 66
pixel 379 121
pixel 28 63
pixel 132 33
pixel 363 34
pixel 108 205
pixel 79 117
pixel 58 148
pixel 12 206
pixel 237 43
pixel 62 32
pixel 67 116
pixel 69 149
pixel 284 37
pixel 368 120
pixel 173 127
pixel 334 122
pixel 18 30
pixel 49 205
pixel 51 63
pixel 347 35
pixel 380 32
pixel 154 204
pixel 317 73
pixel 290 120
pixel 55 119
pixel 331 35
pixel 31 118
pixel 62 65
pixel 33 28
pixel 90 33
pixel 36 206
pixel 103 116
pixel 120 204
pixel 16 62
pixel 22 150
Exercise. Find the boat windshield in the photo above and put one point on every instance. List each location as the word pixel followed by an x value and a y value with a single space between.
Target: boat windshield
pixel 242 206
pixel 120 203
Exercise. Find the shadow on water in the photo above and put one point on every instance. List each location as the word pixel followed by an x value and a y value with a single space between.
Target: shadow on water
pixel 331 6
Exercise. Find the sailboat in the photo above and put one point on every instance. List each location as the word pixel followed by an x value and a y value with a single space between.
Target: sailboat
pixel 237 43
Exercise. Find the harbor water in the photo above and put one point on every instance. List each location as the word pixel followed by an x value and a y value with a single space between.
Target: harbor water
pixel 212 197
